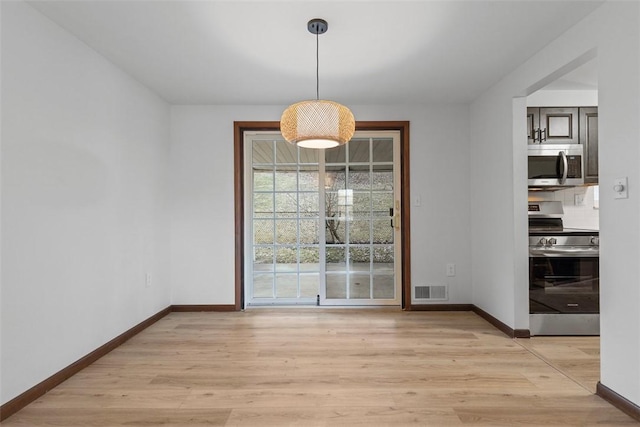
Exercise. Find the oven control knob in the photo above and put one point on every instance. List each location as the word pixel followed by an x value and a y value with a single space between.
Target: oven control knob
pixel 552 241
pixel 543 241
pixel 595 240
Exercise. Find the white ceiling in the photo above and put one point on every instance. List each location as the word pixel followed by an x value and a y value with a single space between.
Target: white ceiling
pixel 260 52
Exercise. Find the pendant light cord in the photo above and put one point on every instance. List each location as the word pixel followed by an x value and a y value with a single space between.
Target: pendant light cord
pixel 317 68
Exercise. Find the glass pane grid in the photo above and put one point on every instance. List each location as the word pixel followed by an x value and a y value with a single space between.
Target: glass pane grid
pixel 358 192
pixel 285 222
pixel 365 218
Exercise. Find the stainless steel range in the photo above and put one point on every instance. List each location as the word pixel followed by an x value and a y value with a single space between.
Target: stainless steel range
pixel 564 276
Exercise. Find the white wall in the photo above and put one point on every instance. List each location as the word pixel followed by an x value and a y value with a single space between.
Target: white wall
pixel 202 234
pixel 619 151
pixel 563 98
pixel 84 170
pixel 499 247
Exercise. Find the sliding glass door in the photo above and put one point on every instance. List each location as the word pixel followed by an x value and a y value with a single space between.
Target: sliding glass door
pixel 320 223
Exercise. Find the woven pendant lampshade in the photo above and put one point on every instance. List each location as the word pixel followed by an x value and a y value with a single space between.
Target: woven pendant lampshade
pixel 317 123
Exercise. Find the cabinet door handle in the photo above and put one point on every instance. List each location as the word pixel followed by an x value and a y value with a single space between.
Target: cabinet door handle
pixel 536 137
pixel 543 134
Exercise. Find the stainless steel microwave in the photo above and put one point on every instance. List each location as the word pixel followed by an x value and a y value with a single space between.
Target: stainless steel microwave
pixel 554 165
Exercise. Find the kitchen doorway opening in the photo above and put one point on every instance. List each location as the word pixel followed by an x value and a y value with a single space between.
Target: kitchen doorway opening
pixel 322 227
pixel 563 219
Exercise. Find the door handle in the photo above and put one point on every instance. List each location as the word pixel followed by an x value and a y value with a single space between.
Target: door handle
pixel 565 168
pixel 395 219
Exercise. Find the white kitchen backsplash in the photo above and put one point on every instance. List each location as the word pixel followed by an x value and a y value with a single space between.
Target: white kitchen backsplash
pixel 579 203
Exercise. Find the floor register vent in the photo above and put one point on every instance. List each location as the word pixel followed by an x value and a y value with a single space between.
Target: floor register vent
pixel 430 293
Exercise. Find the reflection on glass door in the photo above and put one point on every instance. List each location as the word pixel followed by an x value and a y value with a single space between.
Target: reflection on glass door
pixel 319 223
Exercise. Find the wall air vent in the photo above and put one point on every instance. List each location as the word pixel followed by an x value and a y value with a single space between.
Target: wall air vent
pixel 430 293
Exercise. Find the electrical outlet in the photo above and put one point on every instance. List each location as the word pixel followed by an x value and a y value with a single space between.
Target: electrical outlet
pixel 451 269
pixel 147 280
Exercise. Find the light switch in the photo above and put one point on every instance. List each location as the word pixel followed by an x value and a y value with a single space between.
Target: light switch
pixel 417 201
pixel 620 188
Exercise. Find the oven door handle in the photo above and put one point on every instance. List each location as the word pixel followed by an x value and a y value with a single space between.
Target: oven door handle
pixel 563 253
pixel 565 169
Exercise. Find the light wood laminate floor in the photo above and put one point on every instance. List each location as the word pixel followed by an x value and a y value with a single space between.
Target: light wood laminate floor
pixel 576 357
pixel 320 367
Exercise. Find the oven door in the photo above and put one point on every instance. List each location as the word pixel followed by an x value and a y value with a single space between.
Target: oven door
pixel 564 295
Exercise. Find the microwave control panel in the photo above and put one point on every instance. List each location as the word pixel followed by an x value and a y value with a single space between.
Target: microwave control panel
pixel 574 169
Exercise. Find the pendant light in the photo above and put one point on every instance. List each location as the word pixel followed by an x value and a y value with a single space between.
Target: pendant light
pixel 317 123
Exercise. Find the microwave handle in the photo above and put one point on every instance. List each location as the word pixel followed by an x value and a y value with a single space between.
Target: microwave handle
pixel 565 169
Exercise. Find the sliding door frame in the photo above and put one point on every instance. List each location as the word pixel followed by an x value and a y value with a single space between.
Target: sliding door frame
pixel 239 128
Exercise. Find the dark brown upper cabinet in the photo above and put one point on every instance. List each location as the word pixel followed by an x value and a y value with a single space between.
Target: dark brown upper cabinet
pixel 533 124
pixel 552 125
pixel 589 138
